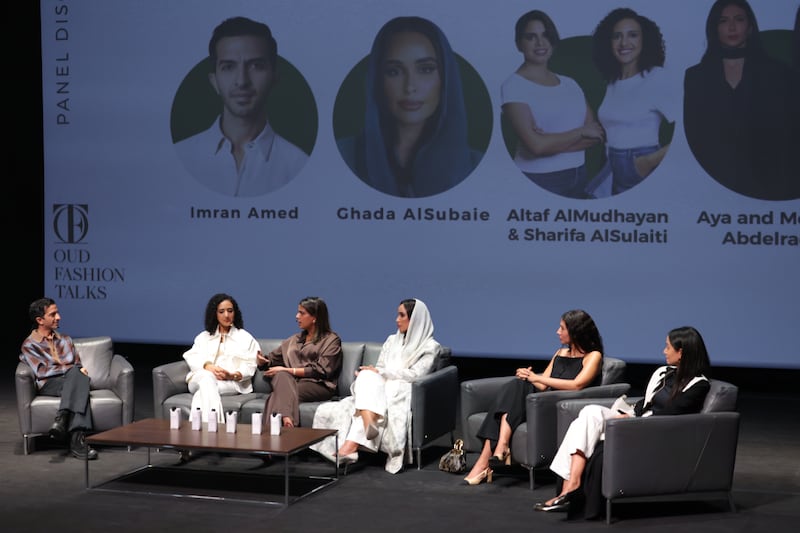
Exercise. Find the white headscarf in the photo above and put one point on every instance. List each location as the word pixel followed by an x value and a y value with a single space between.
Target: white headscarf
pixel 419 333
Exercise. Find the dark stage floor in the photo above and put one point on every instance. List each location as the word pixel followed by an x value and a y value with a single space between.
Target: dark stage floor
pixel 44 491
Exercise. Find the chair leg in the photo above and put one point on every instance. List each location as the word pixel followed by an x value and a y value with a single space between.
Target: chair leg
pixel 531 476
pixel 608 511
pixel 26 444
pixel 730 502
pixel 419 458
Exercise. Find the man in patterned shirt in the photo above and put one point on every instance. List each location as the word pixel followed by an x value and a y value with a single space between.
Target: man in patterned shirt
pixel 58 371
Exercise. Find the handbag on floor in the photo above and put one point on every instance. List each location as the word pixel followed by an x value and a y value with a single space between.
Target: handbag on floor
pixel 454 461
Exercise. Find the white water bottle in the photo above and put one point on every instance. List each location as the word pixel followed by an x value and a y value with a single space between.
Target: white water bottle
pixel 175 418
pixel 230 421
pixel 256 423
pixel 197 419
pixel 275 424
pixel 212 421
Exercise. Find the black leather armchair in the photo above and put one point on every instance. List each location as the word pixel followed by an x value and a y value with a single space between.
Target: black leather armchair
pixel 686 457
pixel 111 393
pixel 534 442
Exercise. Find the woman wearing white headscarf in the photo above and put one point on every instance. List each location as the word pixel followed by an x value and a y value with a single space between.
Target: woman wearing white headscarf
pixel 377 415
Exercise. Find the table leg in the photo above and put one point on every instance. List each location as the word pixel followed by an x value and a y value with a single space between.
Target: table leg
pixel 286 480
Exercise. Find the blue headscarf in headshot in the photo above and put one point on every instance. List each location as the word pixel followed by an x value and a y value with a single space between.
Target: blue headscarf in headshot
pixel 443 157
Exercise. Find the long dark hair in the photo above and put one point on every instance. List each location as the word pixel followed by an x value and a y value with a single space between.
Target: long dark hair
pixel 583 332
pixel 713 46
pixel 317 308
pixel 211 321
pixel 694 356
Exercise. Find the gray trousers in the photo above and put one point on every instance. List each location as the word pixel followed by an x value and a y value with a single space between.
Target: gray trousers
pixel 73 387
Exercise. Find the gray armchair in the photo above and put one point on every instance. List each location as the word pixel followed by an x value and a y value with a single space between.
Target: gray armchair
pixel 686 457
pixel 111 393
pixel 434 400
pixel 534 442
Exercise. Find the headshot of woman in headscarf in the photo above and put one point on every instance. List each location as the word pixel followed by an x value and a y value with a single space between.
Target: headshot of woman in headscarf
pixel 414 140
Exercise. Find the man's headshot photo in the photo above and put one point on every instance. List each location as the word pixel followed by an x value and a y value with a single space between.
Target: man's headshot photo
pixel 228 111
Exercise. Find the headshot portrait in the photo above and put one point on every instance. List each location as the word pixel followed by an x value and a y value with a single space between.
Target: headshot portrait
pixel 641 101
pixel 741 108
pixel 413 119
pixel 244 121
pixel 547 122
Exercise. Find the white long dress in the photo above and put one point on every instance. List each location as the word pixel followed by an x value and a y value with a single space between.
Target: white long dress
pixel 404 358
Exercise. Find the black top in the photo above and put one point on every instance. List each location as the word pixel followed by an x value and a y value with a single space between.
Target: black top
pixel 569 367
pixel 688 401
pixel 747 137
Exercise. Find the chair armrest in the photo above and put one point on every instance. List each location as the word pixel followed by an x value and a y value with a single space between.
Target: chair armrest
pixel 168 380
pixel 122 383
pixel 25 385
pixel 567 411
pixel 261 383
pixel 476 396
pixel 667 454
pixel 434 399
pixel 542 422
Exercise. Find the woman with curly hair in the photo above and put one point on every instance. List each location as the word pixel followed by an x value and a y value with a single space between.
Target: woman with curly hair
pixel 222 359
pixel 628 51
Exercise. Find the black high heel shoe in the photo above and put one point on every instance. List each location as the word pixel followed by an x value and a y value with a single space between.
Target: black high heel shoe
pixel 497 461
pixel 560 504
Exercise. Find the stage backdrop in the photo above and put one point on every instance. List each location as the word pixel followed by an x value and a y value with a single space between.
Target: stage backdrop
pixel 136 242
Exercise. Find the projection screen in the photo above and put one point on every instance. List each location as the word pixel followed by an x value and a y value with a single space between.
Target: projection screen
pixel 141 227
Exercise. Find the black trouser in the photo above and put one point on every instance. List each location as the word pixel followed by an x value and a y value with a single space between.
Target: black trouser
pixel 73 387
pixel 510 401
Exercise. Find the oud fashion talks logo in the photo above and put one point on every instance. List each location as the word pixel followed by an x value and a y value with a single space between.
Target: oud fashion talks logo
pixel 70 222
pixel 73 275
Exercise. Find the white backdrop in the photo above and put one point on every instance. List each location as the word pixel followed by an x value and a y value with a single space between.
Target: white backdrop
pixel 132 262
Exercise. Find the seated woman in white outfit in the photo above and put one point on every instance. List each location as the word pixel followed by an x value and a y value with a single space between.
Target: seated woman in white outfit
pixel 679 387
pixel 377 414
pixel 222 359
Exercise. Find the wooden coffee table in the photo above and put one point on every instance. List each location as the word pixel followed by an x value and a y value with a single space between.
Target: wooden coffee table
pixel 154 433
